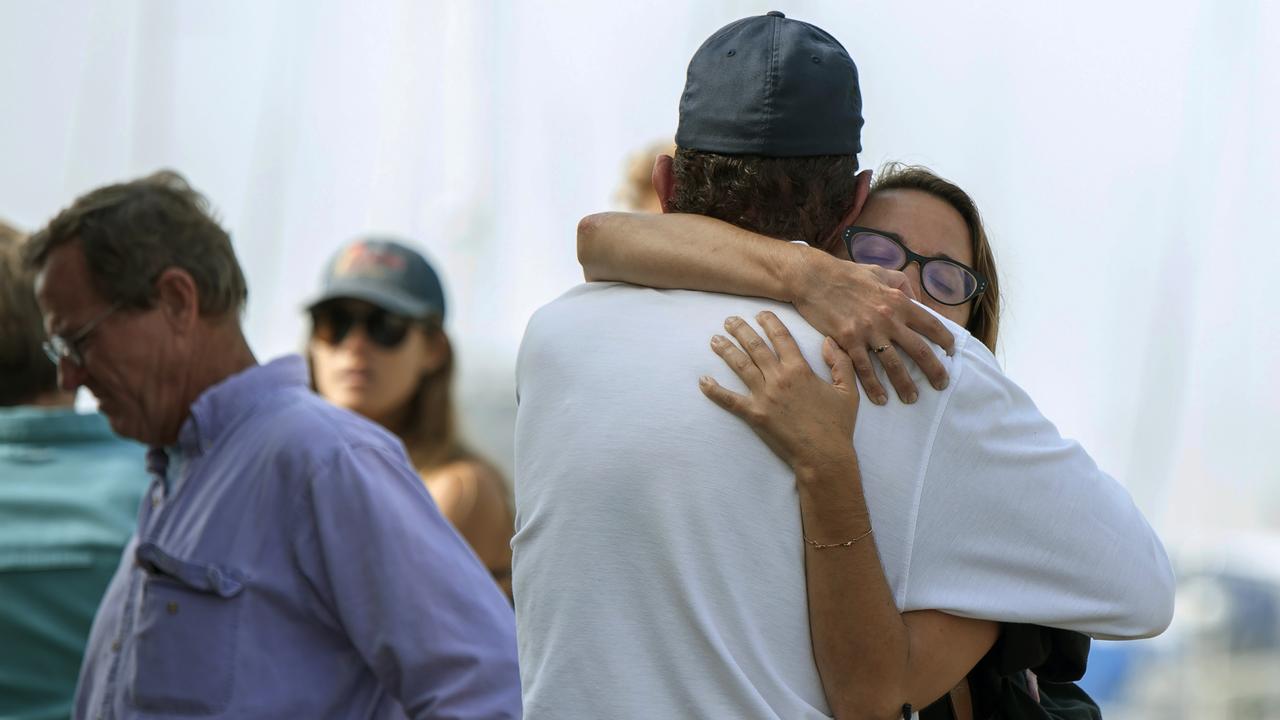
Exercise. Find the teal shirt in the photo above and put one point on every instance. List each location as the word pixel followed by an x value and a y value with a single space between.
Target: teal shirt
pixel 69 493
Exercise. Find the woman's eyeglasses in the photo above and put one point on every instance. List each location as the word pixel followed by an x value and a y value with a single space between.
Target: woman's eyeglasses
pixel 332 324
pixel 946 281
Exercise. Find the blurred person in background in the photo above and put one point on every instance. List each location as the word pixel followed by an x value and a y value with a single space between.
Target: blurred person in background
pixel 378 348
pixel 660 560
pixel 287 561
pixel 930 229
pixel 637 193
pixel 69 492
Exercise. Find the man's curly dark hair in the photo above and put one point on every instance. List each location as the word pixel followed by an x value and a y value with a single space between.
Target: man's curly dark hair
pixel 801 198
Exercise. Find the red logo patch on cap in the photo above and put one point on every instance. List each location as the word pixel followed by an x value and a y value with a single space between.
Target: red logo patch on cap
pixel 365 261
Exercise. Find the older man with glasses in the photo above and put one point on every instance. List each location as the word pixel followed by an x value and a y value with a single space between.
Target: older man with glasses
pixel 287 561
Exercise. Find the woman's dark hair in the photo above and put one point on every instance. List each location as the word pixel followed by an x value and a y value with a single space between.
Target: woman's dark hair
pixel 431 434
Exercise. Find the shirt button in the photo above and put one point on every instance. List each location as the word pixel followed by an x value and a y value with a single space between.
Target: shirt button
pixel 115 646
pixel 172 608
pixel 155 501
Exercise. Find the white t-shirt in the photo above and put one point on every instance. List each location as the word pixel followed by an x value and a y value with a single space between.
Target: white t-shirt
pixel 659 565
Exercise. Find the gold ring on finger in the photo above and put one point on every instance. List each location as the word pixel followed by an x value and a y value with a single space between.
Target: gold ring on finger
pixel 880 349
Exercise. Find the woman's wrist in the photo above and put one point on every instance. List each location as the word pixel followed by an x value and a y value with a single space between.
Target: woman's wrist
pixel 827 467
pixel 833 509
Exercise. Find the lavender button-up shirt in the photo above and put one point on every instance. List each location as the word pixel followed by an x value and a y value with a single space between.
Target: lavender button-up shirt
pixel 289 563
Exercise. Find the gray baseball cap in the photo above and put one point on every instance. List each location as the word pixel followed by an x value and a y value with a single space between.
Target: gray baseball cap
pixel 768 85
pixel 386 273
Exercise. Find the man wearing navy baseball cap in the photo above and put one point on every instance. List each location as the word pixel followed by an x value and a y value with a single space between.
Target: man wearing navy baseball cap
pixel 659 556
pixel 776 100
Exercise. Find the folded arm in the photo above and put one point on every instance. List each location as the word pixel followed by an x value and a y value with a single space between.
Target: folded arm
pixel 860 306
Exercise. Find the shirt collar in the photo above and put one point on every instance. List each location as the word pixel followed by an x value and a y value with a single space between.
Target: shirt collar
pixel 224 404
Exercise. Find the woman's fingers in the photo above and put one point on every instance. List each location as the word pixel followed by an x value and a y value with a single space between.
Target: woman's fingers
pixel 757 358
pixel 866 372
pixel 841 368
pixel 783 343
pixel 922 353
pixel 726 399
pixel 755 346
pixel 897 371
pixel 741 364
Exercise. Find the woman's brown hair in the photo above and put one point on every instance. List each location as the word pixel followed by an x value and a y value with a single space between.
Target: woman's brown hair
pixel 984 318
pixel 25 372
pixel 431 432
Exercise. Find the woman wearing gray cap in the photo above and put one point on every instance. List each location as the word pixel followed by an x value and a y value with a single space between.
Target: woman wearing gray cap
pixel 378 348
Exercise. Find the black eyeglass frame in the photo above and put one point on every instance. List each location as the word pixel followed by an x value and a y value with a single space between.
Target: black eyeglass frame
pixel 854 230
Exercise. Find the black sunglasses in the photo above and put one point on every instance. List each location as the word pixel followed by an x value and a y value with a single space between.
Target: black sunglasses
pixel 947 281
pixel 332 323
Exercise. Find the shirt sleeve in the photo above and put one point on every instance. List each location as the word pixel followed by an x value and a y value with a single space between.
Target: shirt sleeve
pixel 1018 524
pixel 411 596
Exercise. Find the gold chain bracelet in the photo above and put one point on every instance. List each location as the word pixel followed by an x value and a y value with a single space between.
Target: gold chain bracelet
pixel 846 543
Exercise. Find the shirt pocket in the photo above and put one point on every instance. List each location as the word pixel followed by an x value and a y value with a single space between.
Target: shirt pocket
pixel 187 632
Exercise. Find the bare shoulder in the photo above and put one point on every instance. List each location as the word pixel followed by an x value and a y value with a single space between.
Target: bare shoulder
pixel 459 487
pixel 467 473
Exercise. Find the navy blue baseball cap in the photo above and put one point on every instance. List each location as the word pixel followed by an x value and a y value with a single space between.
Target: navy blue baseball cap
pixel 386 273
pixel 768 85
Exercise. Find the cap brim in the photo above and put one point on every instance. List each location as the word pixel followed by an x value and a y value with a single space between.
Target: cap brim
pixel 385 298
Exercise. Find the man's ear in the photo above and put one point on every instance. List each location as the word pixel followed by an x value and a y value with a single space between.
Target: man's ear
pixel 178 299
pixel 664 180
pixel 861 191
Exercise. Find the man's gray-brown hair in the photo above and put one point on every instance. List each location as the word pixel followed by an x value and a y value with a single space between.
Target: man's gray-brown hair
pixel 131 232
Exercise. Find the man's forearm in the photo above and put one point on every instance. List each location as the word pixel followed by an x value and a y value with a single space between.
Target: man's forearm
pixel 687 251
